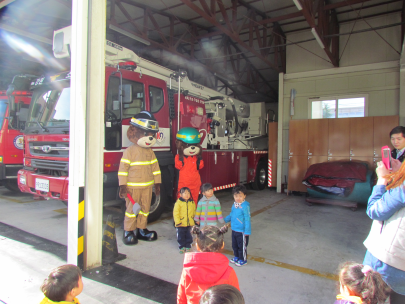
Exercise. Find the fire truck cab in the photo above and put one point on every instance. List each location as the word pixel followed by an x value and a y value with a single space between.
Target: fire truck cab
pixel 233 132
pixel 14 104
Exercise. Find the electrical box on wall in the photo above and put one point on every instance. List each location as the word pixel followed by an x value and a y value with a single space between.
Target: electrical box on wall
pixel 257 122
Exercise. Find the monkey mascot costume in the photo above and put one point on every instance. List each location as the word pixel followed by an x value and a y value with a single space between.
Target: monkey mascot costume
pixel 189 160
pixel 138 172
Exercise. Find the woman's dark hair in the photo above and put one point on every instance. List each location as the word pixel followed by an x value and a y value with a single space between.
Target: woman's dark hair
pixel 239 188
pixel 184 189
pixel 61 281
pixel 362 281
pixel 222 294
pixel 209 238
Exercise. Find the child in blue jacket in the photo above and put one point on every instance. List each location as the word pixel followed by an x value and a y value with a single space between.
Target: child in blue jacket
pixel 240 224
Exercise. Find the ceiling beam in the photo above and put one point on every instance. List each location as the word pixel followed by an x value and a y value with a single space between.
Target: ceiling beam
pixel 309 14
pixel 229 32
pixel 19 32
pixel 342 4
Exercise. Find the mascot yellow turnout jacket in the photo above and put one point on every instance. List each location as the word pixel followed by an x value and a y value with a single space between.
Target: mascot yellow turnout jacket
pixel 139 168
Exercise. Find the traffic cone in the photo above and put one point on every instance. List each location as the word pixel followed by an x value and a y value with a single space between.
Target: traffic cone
pixel 110 249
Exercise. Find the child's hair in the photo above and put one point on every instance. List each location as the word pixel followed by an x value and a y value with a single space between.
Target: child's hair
pixel 184 189
pixel 222 294
pixel 209 238
pixel 60 282
pixel 239 188
pixel 362 281
pixel 206 187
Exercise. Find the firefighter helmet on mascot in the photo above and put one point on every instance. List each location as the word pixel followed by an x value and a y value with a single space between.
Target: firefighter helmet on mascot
pixel 145 121
pixel 189 136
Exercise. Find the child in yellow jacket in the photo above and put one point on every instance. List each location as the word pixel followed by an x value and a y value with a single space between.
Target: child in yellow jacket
pixel 183 214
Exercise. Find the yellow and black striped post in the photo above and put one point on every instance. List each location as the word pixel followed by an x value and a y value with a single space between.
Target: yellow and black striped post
pixel 80 231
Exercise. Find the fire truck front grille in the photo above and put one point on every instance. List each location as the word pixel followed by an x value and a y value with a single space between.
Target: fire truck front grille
pixel 54 149
pixel 49 165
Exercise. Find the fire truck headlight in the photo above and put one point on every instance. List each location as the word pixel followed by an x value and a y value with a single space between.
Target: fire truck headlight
pixel 1 159
pixel 22 180
pixel 27 162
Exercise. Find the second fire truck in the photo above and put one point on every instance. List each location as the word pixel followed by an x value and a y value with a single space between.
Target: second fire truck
pixel 234 138
pixel 14 104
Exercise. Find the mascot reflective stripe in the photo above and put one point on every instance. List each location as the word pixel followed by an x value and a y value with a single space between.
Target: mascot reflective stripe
pixel 138 172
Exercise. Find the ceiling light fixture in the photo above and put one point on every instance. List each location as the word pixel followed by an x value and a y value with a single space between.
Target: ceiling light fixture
pixel 315 33
pixel 298 4
pixel 128 34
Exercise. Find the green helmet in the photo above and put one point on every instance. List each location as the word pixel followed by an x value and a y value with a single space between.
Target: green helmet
pixel 189 136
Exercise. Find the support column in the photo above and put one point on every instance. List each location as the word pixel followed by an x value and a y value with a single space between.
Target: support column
pixel 280 131
pixel 86 133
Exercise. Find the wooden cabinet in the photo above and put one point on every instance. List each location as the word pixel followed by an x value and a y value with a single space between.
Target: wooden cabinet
pixel 316 159
pixel 338 140
pixel 318 136
pixel 382 128
pixel 361 136
pixel 297 166
pixel 299 134
pixel 351 139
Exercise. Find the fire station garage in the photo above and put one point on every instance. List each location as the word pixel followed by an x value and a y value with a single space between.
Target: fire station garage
pixel 294 99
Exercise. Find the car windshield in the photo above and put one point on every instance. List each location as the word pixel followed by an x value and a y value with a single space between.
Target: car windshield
pixel 50 106
pixel 3 109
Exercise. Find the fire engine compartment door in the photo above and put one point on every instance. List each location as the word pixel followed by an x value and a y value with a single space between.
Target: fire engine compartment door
pixel 113 120
pixel 221 167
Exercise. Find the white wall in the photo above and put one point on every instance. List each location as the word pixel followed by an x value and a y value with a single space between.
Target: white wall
pixel 368 65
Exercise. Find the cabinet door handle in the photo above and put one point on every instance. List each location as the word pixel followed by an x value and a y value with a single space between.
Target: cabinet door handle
pixel 215 157
pixel 233 157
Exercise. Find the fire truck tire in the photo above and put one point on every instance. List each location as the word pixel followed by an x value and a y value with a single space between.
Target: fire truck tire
pixel 12 185
pixel 261 176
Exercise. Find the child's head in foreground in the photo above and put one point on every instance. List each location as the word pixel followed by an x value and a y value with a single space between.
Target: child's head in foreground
pixel 239 193
pixel 362 281
pixel 209 238
pixel 207 190
pixel 185 193
pixel 222 294
pixel 64 283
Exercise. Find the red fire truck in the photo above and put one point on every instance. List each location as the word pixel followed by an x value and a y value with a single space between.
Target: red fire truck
pixel 234 135
pixel 14 104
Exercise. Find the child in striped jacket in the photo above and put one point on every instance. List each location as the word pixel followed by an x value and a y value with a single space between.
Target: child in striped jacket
pixel 208 208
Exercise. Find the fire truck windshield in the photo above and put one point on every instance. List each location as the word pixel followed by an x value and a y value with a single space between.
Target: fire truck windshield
pixel 50 107
pixel 3 109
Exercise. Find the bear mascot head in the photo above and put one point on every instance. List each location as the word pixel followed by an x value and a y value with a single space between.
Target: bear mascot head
pixel 142 132
pixel 188 142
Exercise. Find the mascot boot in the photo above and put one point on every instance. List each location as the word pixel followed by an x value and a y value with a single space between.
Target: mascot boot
pixel 146 235
pixel 129 238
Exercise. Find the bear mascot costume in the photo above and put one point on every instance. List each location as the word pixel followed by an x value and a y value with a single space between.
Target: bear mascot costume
pixel 189 160
pixel 138 172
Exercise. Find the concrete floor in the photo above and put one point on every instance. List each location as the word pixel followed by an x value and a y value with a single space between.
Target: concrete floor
pixel 293 252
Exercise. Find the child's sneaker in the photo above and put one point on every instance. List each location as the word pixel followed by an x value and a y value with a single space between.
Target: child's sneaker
pixel 187 250
pixel 234 260
pixel 240 263
pixel 182 250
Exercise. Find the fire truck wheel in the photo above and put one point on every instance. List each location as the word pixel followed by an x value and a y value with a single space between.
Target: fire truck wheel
pixel 261 176
pixel 12 185
pixel 158 204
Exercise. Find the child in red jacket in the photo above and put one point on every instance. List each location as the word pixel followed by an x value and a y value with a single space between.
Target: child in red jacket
pixel 205 268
